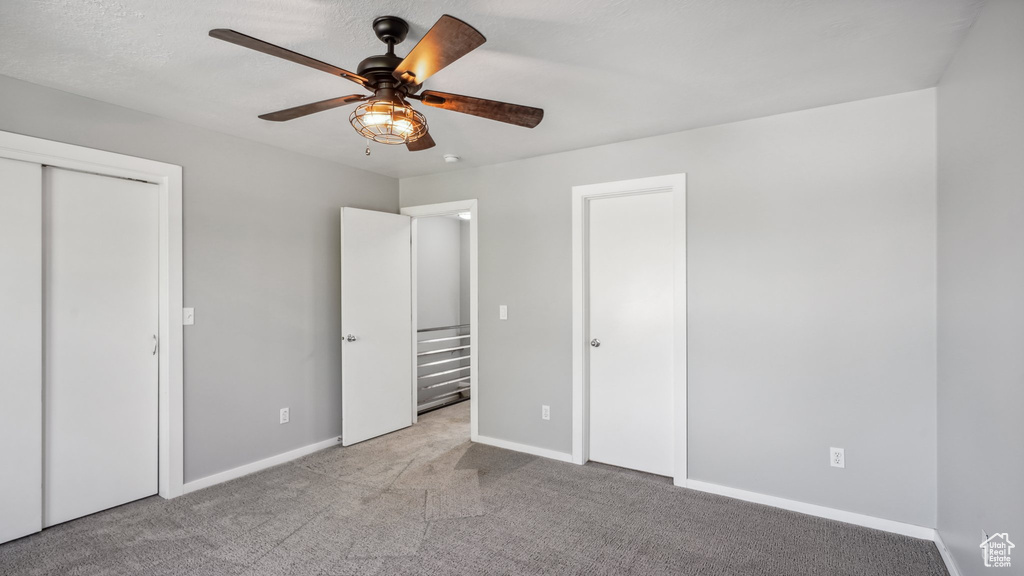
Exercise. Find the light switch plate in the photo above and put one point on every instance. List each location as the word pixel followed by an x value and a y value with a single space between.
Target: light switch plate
pixel 502 312
pixel 188 316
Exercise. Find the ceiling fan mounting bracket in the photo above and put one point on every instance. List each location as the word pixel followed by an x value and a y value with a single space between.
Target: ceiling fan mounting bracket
pixel 390 30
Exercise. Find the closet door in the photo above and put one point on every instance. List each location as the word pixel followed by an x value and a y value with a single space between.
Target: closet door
pixel 100 370
pixel 631 313
pixel 20 349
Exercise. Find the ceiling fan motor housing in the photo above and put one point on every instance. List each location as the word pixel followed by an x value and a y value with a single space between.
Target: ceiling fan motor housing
pixel 378 69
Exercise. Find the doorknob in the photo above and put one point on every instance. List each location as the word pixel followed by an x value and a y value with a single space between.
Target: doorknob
pixel 595 343
pixel 350 338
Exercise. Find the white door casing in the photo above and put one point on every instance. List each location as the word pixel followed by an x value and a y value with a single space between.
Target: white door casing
pixel 101 327
pixel 21 361
pixel 629 279
pixel 376 323
pixel 582 196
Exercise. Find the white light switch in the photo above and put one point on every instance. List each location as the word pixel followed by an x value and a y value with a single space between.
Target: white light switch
pixel 188 316
pixel 502 312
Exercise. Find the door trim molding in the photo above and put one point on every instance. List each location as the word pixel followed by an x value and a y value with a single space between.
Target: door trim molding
pixel 581 195
pixel 169 179
pixel 448 209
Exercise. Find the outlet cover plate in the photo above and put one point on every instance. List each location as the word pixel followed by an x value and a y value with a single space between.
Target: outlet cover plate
pixel 837 457
pixel 284 416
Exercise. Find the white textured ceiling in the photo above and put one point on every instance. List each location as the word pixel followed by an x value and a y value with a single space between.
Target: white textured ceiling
pixel 603 70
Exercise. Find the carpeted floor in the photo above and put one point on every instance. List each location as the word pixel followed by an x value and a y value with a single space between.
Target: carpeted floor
pixel 426 501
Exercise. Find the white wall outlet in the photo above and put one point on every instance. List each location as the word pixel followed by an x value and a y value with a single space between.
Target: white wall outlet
pixel 284 415
pixel 503 312
pixel 545 412
pixel 837 457
pixel 188 316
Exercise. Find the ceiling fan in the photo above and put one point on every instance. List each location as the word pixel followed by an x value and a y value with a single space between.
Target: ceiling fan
pixel 386 116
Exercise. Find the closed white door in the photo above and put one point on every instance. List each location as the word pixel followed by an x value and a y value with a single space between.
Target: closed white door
pixel 100 239
pixel 630 298
pixel 376 324
pixel 21 357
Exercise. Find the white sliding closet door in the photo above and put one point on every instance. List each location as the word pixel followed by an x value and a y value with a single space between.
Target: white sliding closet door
pixel 21 342
pixel 100 239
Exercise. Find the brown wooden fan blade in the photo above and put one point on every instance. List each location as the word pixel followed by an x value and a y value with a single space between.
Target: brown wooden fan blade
pixel 273 50
pixel 307 109
pixel 421 143
pixel 447 41
pixel 491 109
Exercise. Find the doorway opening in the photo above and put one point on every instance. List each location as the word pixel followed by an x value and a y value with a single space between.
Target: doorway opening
pixel 444 307
pixel 444 329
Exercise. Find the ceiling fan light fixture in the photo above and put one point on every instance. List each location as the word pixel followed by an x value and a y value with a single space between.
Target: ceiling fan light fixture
pixel 388 122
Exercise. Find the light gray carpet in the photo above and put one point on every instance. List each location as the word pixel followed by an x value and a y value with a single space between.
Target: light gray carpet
pixel 426 501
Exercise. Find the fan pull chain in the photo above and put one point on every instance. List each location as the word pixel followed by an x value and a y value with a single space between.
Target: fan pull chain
pixel 367 146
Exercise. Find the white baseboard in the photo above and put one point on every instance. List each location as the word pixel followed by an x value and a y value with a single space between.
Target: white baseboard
pixel 525 448
pixel 947 556
pixel 893 526
pixel 247 469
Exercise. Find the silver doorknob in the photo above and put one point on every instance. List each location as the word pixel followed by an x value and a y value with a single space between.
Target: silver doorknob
pixel 595 343
pixel 350 338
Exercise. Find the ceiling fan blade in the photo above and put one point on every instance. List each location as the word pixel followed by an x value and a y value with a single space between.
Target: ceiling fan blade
pixel 491 109
pixel 307 109
pixel 447 41
pixel 421 143
pixel 273 50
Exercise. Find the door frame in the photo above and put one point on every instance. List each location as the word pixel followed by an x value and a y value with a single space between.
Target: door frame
pixel 581 196
pixel 168 178
pixel 448 209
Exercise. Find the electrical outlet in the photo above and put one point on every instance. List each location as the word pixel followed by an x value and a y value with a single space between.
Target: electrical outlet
pixel 545 412
pixel 284 415
pixel 837 457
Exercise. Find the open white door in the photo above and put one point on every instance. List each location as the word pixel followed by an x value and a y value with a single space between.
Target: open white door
pixel 376 324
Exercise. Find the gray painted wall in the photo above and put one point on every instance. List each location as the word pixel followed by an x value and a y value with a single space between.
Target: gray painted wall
pixel 438 272
pixel 261 269
pixel 811 297
pixel 981 288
